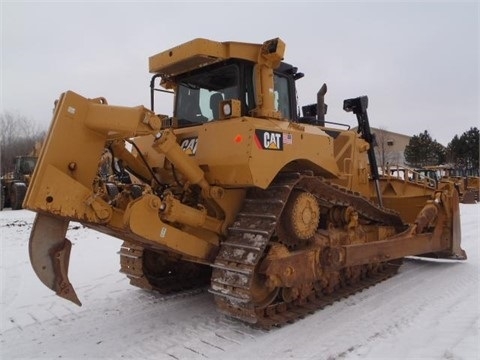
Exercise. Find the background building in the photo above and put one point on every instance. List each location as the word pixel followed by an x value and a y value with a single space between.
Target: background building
pixel 390 147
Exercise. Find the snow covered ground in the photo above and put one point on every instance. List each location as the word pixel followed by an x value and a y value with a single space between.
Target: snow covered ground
pixel 430 310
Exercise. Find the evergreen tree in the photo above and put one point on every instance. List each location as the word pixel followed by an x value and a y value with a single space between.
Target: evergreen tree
pixel 453 148
pixel 422 151
pixel 463 151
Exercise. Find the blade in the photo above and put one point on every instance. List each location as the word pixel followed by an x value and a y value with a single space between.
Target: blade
pixel 457 251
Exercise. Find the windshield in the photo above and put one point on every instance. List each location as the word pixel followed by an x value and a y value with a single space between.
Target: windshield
pixel 27 165
pixel 199 96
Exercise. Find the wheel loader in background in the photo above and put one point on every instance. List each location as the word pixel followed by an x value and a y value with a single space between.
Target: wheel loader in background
pixel 280 214
pixel 14 184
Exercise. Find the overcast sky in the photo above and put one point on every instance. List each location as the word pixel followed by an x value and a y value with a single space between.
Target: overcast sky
pixel 417 62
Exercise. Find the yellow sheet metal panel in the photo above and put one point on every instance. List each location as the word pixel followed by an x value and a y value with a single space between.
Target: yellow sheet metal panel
pixel 201 52
pixel 190 55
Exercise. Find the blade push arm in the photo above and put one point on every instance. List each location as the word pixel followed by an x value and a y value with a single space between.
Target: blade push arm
pixel 68 163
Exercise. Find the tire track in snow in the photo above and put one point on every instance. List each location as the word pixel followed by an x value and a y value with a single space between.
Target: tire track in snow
pixel 415 296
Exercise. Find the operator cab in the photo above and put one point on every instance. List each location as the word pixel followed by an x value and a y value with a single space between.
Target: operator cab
pixel 200 92
pixel 24 165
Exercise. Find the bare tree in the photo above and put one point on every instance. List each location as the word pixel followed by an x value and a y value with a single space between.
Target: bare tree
pixel 383 151
pixel 18 136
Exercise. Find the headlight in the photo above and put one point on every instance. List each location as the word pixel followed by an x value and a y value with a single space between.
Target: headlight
pixel 227 109
pixel 230 108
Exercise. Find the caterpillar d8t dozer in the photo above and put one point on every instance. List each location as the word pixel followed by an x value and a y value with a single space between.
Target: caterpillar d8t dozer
pixel 278 214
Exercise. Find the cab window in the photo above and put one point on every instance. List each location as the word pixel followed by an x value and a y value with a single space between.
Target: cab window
pixel 199 95
pixel 282 96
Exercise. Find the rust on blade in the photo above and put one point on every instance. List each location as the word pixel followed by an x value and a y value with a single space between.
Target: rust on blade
pixel 61 259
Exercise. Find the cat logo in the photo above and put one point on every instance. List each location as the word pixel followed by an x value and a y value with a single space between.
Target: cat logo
pixel 269 140
pixel 189 145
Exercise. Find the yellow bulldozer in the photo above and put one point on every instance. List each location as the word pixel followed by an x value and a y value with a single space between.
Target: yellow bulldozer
pixel 278 213
pixel 465 181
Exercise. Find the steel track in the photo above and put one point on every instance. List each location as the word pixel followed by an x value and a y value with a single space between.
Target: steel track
pixel 234 279
pixel 176 276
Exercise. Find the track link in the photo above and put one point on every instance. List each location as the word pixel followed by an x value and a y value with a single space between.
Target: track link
pixel 234 268
pixel 171 276
pixel 234 277
pixel 281 313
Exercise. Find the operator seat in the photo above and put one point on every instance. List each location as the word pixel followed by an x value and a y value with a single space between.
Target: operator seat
pixel 215 101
